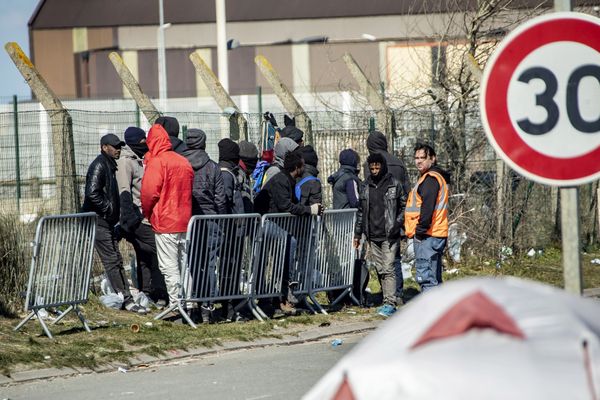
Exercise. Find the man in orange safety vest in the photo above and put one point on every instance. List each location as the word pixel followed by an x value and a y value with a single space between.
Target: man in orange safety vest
pixel 426 217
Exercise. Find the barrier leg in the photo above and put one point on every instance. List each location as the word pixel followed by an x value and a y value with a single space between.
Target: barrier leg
pixel 62 314
pixel 186 316
pixel 44 326
pixel 166 311
pixel 81 318
pixel 27 318
pixel 311 294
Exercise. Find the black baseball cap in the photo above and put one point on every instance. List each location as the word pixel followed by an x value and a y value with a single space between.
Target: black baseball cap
pixel 112 140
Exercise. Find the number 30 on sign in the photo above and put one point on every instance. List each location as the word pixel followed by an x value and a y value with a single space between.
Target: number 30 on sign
pixel 540 99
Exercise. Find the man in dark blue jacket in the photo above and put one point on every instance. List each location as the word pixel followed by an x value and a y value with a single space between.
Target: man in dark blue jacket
pixel 102 197
pixel 345 181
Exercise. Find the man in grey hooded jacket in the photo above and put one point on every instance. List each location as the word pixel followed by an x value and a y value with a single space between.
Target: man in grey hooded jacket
pixel 284 146
pixel 134 227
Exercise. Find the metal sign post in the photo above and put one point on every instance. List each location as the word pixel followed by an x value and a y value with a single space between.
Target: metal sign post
pixel 541 115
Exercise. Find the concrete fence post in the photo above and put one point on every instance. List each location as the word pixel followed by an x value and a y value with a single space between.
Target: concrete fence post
pixel 143 101
pixel 238 126
pixel 67 193
pixel 385 117
pixel 286 97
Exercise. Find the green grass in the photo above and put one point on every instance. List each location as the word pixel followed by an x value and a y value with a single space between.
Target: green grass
pixel 112 340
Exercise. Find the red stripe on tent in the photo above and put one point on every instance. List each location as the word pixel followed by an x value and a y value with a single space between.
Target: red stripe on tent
pixel 344 392
pixel 474 311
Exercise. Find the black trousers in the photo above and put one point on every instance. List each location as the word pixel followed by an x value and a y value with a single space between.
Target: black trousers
pixel 108 249
pixel 149 279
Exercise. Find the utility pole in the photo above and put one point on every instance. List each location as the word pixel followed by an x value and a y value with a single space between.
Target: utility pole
pixel 223 65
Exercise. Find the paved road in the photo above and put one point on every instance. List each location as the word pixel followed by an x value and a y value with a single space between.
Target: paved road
pixel 285 372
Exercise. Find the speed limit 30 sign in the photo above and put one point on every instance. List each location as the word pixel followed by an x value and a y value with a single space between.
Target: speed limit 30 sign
pixel 540 99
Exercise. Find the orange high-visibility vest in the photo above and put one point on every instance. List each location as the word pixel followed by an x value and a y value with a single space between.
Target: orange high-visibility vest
pixel 439 220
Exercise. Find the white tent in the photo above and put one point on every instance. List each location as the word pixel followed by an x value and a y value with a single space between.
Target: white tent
pixel 481 339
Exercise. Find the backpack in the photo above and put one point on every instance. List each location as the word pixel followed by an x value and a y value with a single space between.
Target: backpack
pixel 258 175
pixel 298 188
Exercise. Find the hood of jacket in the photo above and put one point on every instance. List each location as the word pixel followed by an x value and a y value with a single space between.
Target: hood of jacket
pixel 158 142
pixel 283 146
pixel 377 142
pixel 197 157
pixel 442 172
pixel 344 170
pixel 126 152
pixel 310 170
pixel 196 139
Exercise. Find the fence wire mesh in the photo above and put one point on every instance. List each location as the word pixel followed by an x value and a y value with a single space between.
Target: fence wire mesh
pixel 492 205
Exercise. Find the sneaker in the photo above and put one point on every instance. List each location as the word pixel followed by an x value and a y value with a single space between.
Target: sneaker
pixel 135 308
pixel 160 304
pixel 386 310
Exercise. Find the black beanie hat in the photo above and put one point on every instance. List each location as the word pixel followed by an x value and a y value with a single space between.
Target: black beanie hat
pixel 229 150
pixel 170 124
pixel 310 155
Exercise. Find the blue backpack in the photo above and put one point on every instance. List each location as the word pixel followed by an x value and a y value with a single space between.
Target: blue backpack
pixel 258 175
pixel 298 188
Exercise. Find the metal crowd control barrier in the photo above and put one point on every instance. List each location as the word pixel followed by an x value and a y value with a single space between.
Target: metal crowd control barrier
pixel 284 253
pixel 333 264
pixel 61 264
pixel 219 261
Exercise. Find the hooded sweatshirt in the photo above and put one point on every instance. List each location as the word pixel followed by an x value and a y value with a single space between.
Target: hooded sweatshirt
pixel 345 181
pixel 377 143
pixel 284 146
pixel 208 194
pixel 167 185
pixel 130 169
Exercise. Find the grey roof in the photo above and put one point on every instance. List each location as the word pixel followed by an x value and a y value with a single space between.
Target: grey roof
pixel 109 13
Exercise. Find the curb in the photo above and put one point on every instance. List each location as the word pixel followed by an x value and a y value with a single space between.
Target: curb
pixel 144 361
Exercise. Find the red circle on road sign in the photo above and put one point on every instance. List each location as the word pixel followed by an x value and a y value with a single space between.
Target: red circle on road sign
pixel 558 27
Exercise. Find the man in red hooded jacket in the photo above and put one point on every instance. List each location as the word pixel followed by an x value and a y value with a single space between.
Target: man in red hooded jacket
pixel 166 198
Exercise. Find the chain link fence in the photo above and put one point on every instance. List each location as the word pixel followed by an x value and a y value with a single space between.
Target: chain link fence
pixel 509 211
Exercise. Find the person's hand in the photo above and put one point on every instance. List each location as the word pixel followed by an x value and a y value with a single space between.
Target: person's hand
pixel 270 117
pixel 316 209
pixel 118 232
pixel 356 243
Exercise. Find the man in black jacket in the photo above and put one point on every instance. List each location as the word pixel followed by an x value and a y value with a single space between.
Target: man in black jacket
pixel 377 143
pixel 208 198
pixel 171 125
pixel 102 197
pixel 380 217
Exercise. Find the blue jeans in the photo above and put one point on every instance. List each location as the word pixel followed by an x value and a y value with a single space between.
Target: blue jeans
pixel 428 261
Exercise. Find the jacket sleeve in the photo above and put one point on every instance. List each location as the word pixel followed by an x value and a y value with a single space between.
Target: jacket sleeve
pixel 358 227
pixel 280 193
pixel 404 181
pixel 352 193
pixel 152 183
pixel 130 213
pixel 428 190
pixel 401 207
pixel 220 198
pixel 228 187
pixel 94 188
